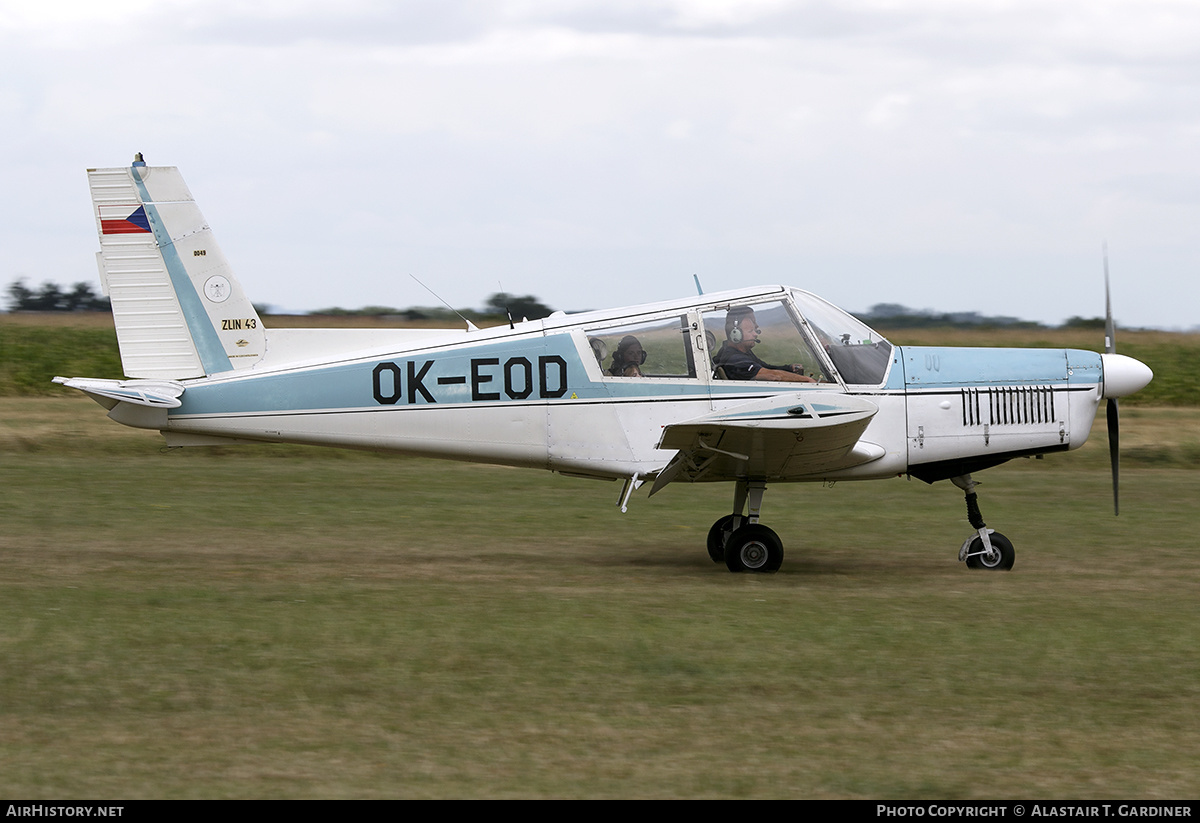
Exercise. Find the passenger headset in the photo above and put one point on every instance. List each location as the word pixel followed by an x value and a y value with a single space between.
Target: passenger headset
pixel 623 355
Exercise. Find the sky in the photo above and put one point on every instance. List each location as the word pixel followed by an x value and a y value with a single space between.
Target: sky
pixel 950 155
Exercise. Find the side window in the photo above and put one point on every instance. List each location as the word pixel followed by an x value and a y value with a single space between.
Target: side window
pixel 757 335
pixel 656 348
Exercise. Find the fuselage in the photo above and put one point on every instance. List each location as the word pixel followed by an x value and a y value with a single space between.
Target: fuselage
pixel 542 394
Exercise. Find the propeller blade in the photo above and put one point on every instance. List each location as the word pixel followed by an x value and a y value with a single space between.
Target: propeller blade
pixel 1110 334
pixel 1114 451
pixel 1114 415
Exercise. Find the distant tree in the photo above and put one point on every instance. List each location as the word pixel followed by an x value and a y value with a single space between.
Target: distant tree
pixel 82 298
pixel 52 298
pixel 48 298
pixel 19 295
pixel 896 316
pixel 525 306
pixel 365 311
pixel 882 310
pixel 1085 323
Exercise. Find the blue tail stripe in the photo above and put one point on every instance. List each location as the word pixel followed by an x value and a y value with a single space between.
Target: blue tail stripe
pixel 212 354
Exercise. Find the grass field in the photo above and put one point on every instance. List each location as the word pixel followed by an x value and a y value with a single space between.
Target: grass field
pixel 285 622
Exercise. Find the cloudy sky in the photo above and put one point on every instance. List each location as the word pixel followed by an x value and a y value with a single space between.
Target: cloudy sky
pixel 956 155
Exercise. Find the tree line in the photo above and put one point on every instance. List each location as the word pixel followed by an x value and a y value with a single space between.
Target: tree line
pixel 52 297
pixel 81 297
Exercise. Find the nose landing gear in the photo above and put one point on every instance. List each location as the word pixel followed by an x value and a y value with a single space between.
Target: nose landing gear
pixel 987 548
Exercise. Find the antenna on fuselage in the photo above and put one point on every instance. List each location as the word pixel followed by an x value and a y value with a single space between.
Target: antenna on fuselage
pixel 699 289
pixel 470 326
pixel 507 310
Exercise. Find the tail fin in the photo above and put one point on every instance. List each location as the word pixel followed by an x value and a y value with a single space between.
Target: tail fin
pixel 178 310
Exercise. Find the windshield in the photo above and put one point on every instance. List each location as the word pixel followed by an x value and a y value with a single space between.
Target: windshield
pixel 860 354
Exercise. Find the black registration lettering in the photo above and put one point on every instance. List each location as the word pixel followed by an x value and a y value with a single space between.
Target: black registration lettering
pixel 389 381
pixel 548 363
pixel 385 383
pixel 414 382
pixel 518 369
pixel 478 378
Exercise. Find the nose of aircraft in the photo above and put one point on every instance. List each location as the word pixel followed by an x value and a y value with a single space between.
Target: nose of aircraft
pixel 1123 375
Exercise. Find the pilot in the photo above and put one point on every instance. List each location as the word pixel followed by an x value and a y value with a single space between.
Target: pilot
pixel 628 358
pixel 738 362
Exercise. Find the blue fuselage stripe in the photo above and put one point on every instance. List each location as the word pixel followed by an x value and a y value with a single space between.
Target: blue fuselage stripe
pixel 536 369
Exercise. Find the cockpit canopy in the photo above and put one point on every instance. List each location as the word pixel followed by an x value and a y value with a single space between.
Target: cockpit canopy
pixel 796 332
pixel 791 328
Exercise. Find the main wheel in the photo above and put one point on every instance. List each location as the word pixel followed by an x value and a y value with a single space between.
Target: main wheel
pixel 718 536
pixel 753 548
pixel 1001 558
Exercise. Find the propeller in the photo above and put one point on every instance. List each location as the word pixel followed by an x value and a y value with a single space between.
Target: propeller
pixel 1113 413
pixel 1122 376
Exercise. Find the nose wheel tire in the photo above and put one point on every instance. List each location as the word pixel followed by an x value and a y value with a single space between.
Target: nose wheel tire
pixel 1001 559
pixel 753 548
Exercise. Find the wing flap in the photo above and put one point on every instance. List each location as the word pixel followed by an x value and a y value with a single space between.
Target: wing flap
pixel 776 438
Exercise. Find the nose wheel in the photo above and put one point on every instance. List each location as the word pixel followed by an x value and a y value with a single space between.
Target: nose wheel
pixel 998 556
pixel 987 548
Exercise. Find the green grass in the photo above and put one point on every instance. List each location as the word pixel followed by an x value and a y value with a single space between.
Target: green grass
pixel 285 622
pixel 31 356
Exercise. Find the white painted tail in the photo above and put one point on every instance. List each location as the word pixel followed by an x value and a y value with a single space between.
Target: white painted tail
pixel 178 310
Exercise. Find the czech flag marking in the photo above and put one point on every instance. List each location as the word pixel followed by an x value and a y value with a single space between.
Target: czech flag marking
pixel 120 220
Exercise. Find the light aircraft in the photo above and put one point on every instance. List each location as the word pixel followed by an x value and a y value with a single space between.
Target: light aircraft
pixel 676 391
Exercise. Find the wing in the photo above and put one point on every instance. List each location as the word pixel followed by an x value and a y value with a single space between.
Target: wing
pixel 784 437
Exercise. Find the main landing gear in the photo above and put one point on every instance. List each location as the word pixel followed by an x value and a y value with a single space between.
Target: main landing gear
pixel 745 545
pixel 987 548
pixel 740 540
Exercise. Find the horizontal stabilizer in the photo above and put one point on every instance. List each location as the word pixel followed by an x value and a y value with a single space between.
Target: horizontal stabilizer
pixel 155 394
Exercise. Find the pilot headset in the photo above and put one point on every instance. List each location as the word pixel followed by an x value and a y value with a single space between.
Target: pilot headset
pixel 733 324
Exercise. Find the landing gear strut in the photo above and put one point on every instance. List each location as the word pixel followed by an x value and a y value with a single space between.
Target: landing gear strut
pixel 987 548
pixel 740 540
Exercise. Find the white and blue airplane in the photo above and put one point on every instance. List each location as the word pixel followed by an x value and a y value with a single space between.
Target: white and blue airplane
pixel 756 386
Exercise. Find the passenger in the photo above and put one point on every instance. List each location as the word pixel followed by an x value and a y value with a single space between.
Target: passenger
pixel 628 358
pixel 737 360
